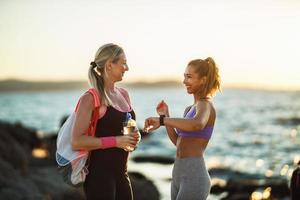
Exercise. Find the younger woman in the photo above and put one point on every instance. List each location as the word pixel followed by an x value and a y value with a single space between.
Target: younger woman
pixel 191 134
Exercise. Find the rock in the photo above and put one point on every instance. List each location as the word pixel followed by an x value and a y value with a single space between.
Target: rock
pixel 293 121
pixel 11 194
pixel 240 185
pixel 143 189
pixel 7 174
pixel 26 137
pixel 51 183
pixel 25 177
pixel 240 196
pixel 19 178
pixel 12 152
pixel 295 184
pixel 154 159
pixel 63 120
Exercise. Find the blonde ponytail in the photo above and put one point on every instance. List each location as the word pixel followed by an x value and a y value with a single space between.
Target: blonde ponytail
pixel 97 69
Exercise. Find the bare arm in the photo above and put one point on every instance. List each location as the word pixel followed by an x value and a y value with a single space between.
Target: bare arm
pixel 170 130
pixel 172 134
pixel 203 109
pixel 83 116
pixel 163 109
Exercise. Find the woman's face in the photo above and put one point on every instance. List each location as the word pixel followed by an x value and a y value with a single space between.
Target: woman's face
pixel 192 81
pixel 116 70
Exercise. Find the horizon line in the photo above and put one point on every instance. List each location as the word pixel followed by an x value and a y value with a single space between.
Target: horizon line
pixel 168 81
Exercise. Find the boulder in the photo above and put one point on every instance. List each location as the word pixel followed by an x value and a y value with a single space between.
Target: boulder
pixel 23 176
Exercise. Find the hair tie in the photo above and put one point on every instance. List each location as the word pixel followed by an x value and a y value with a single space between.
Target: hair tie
pixel 93 64
pixel 95 70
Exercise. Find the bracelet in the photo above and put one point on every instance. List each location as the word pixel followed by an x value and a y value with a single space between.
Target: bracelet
pixel 108 142
pixel 161 120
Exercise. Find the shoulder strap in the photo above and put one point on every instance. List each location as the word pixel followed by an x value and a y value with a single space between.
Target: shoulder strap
pixel 96 98
pixel 94 92
pixel 95 115
pixel 187 110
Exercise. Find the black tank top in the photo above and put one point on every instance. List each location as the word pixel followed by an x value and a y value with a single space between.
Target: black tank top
pixel 111 159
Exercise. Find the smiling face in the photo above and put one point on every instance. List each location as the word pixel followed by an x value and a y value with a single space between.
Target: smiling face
pixel 116 69
pixel 192 81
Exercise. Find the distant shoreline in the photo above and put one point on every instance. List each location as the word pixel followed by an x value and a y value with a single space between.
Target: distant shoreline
pixel 20 85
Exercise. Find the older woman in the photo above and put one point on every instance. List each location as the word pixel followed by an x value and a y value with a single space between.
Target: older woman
pixel 107 178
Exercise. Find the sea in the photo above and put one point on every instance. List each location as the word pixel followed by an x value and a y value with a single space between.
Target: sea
pixel 256 131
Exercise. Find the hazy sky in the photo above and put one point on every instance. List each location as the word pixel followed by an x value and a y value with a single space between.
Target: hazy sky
pixel 254 42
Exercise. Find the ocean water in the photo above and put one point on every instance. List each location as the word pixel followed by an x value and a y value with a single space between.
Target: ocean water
pixel 256 131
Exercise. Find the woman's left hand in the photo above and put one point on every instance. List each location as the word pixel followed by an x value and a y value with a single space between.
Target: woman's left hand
pixel 137 135
pixel 151 124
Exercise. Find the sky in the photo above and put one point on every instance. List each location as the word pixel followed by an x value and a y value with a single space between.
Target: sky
pixel 254 43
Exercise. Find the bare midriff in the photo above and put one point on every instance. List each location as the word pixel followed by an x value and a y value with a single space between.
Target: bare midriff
pixel 190 147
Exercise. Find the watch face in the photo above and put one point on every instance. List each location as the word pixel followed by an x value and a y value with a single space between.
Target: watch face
pixel 161 120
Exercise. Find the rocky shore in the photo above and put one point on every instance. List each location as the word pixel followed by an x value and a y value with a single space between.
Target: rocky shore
pixel 28 169
pixel 228 184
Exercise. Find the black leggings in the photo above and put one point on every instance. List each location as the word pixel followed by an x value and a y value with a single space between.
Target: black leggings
pixel 108 187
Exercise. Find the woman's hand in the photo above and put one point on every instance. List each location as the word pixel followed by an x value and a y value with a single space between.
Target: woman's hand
pixel 137 135
pixel 162 108
pixel 151 124
pixel 126 142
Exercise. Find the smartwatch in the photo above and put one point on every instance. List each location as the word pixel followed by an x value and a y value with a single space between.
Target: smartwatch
pixel 161 120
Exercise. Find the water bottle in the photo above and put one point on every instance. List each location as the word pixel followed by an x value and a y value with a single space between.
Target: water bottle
pixel 129 127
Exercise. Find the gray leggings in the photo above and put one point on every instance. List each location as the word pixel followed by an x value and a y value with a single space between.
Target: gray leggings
pixel 190 179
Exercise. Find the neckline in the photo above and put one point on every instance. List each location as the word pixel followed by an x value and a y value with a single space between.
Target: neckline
pixel 120 110
pixel 123 111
